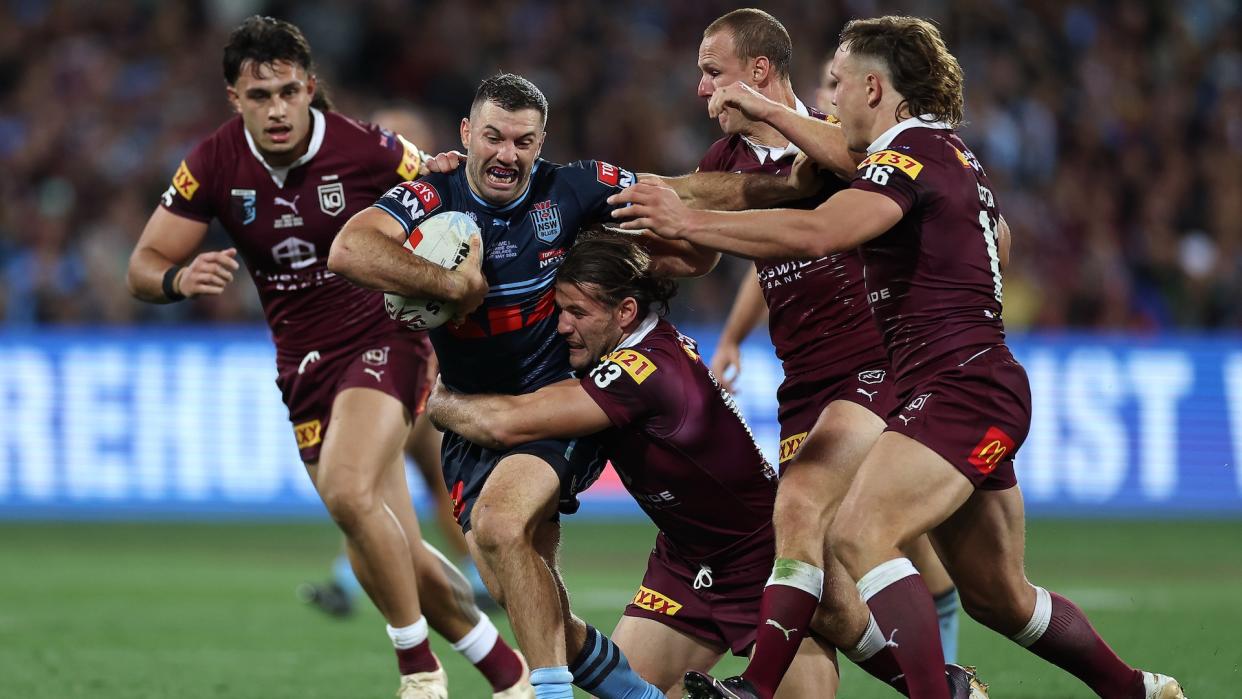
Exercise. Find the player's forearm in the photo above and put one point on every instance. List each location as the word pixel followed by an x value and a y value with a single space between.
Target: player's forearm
pixel 748 310
pixel 822 141
pixel 471 416
pixel 731 191
pixel 145 276
pixel 368 258
pixel 679 259
pixel 771 234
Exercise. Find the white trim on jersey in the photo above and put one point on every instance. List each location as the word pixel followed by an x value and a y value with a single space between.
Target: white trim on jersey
pixel 279 174
pixel 640 333
pixel 886 138
pixel 771 152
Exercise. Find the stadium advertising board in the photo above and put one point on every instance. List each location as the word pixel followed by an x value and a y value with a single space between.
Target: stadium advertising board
pixel 188 423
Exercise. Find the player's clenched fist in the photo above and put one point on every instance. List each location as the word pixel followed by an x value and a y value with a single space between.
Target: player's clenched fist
pixel 445 162
pixel 657 209
pixel 208 274
pixel 743 98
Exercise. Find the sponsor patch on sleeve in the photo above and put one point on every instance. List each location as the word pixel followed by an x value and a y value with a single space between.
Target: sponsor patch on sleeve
pixel 898 161
pixel 411 160
pixel 308 433
pixel 184 182
pixel 633 363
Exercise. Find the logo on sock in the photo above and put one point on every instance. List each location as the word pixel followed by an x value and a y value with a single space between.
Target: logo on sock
pixel 782 629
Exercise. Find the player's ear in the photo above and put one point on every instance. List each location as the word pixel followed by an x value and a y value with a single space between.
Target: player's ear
pixel 761 70
pixel 234 100
pixel 627 312
pixel 875 89
pixel 312 84
pixel 465 133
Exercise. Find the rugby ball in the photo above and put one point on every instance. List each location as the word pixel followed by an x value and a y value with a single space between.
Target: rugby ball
pixel 443 239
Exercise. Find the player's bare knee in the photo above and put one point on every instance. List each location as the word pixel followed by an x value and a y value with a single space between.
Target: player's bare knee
pixel 999 602
pixel 346 499
pixel 799 515
pixel 499 529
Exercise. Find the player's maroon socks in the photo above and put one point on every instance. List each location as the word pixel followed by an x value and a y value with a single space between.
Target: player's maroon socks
pixel 484 647
pixel 413 650
pixel 1060 633
pixel 906 616
pixel 785 611
pixel 874 654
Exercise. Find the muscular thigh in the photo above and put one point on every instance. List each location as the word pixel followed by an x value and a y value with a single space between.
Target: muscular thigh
pixel 662 654
pixel 832 452
pixel 365 436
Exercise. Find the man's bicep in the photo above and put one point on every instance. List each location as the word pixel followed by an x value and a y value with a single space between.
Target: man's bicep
pixel 381 219
pixel 561 410
pixel 172 236
pixel 858 215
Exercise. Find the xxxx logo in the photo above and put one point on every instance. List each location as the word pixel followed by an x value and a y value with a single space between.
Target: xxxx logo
pixel 308 433
pixel 651 600
pixel 790 446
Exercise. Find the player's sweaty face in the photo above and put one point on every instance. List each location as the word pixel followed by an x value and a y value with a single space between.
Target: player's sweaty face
pixel 590 328
pixel 719 66
pixel 502 147
pixel 850 99
pixel 274 102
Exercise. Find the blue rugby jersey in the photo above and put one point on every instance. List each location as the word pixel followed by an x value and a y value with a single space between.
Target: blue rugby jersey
pixel 510 344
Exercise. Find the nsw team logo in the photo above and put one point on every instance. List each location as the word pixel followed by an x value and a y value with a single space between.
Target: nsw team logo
pixel 546 218
pixel 332 198
pixel 243 205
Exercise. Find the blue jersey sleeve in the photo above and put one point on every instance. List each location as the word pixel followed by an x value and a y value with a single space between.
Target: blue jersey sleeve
pixel 594 182
pixel 411 202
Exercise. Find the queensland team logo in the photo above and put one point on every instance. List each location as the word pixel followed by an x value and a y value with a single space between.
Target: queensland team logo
pixel 546 218
pixel 331 198
pixel 243 205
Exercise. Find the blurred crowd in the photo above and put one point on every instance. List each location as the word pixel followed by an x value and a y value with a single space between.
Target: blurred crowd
pixel 1112 130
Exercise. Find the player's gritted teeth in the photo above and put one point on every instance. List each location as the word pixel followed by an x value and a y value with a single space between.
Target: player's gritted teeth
pixel 501 177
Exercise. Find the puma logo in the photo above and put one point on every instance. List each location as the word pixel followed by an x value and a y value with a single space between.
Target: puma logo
pixel 906 420
pixel 782 629
pixel 310 358
pixel 379 375
pixel 291 204
pixel 869 394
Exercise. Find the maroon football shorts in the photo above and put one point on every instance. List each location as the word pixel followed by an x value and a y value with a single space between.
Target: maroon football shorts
pixel 724 610
pixel 975 414
pixel 801 399
pixel 394 362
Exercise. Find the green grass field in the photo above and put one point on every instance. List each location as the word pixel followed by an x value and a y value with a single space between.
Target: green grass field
pixel 135 611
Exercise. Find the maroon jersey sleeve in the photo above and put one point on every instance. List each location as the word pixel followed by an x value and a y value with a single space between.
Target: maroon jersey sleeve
pixel 629 386
pixel 189 195
pixel 893 174
pixel 713 159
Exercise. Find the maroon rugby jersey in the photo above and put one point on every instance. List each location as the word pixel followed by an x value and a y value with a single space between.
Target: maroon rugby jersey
pixel 283 220
pixel 817 309
pixel 934 279
pixel 680 445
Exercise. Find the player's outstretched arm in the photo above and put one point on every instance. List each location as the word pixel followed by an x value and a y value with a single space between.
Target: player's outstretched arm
pixel 848 219
pixel 370 252
pixel 498 421
pixel 748 310
pixel 732 191
pixel 156 274
pixel 823 141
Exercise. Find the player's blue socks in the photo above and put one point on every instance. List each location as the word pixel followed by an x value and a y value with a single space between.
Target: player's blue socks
pixel 947 613
pixel 601 669
pixel 552 683
pixel 343 575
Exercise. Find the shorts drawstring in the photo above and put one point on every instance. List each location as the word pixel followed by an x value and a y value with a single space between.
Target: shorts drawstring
pixel 704 577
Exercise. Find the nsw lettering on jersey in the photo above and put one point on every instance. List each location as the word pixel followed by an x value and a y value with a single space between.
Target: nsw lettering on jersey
pixel 510 344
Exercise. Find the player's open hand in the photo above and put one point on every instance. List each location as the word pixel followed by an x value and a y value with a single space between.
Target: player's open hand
pixel 208 274
pixel 743 98
pixel 445 162
pixel 472 284
pixel 727 364
pixel 657 209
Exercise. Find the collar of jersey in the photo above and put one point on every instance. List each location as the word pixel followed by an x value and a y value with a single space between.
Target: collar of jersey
pixel 886 139
pixel 511 205
pixel 774 154
pixel 318 124
pixel 641 332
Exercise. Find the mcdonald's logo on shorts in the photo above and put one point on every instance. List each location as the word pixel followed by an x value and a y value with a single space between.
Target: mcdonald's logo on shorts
pixel 790 446
pixel 308 433
pixel 995 447
pixel 653 601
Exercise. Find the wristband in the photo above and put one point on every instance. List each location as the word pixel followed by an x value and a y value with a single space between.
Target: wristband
pixel 170 277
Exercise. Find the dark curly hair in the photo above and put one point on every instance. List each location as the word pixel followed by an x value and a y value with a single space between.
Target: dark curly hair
pixel 928 77
pixel 266 40
pixel 612 267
